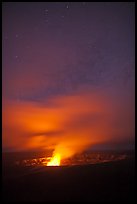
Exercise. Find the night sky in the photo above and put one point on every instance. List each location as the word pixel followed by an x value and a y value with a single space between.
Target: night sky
pixel 68 75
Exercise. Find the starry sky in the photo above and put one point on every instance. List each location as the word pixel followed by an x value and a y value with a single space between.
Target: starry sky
pixel 67 65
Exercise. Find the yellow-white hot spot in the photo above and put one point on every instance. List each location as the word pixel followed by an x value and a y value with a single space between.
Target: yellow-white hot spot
pixel 55 161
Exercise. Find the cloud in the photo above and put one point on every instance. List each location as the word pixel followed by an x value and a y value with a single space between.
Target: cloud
pixel 68 124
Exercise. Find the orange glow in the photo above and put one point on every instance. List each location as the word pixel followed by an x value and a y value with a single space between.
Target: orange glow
pixel 55 161
pixel 66 124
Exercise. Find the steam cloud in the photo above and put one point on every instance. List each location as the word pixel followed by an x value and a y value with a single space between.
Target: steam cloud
pixel 68 124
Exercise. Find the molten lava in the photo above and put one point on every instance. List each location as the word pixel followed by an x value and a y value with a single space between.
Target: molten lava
pixel 55 161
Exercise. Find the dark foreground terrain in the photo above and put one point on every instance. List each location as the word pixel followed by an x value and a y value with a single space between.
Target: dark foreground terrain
pixel 111 181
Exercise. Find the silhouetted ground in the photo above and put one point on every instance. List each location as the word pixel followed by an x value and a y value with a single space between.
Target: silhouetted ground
pixel 112 181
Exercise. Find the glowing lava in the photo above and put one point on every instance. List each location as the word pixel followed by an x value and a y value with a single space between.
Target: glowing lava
pixel 55 161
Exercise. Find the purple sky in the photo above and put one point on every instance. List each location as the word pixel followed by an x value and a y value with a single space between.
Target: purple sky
pixel 57 49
